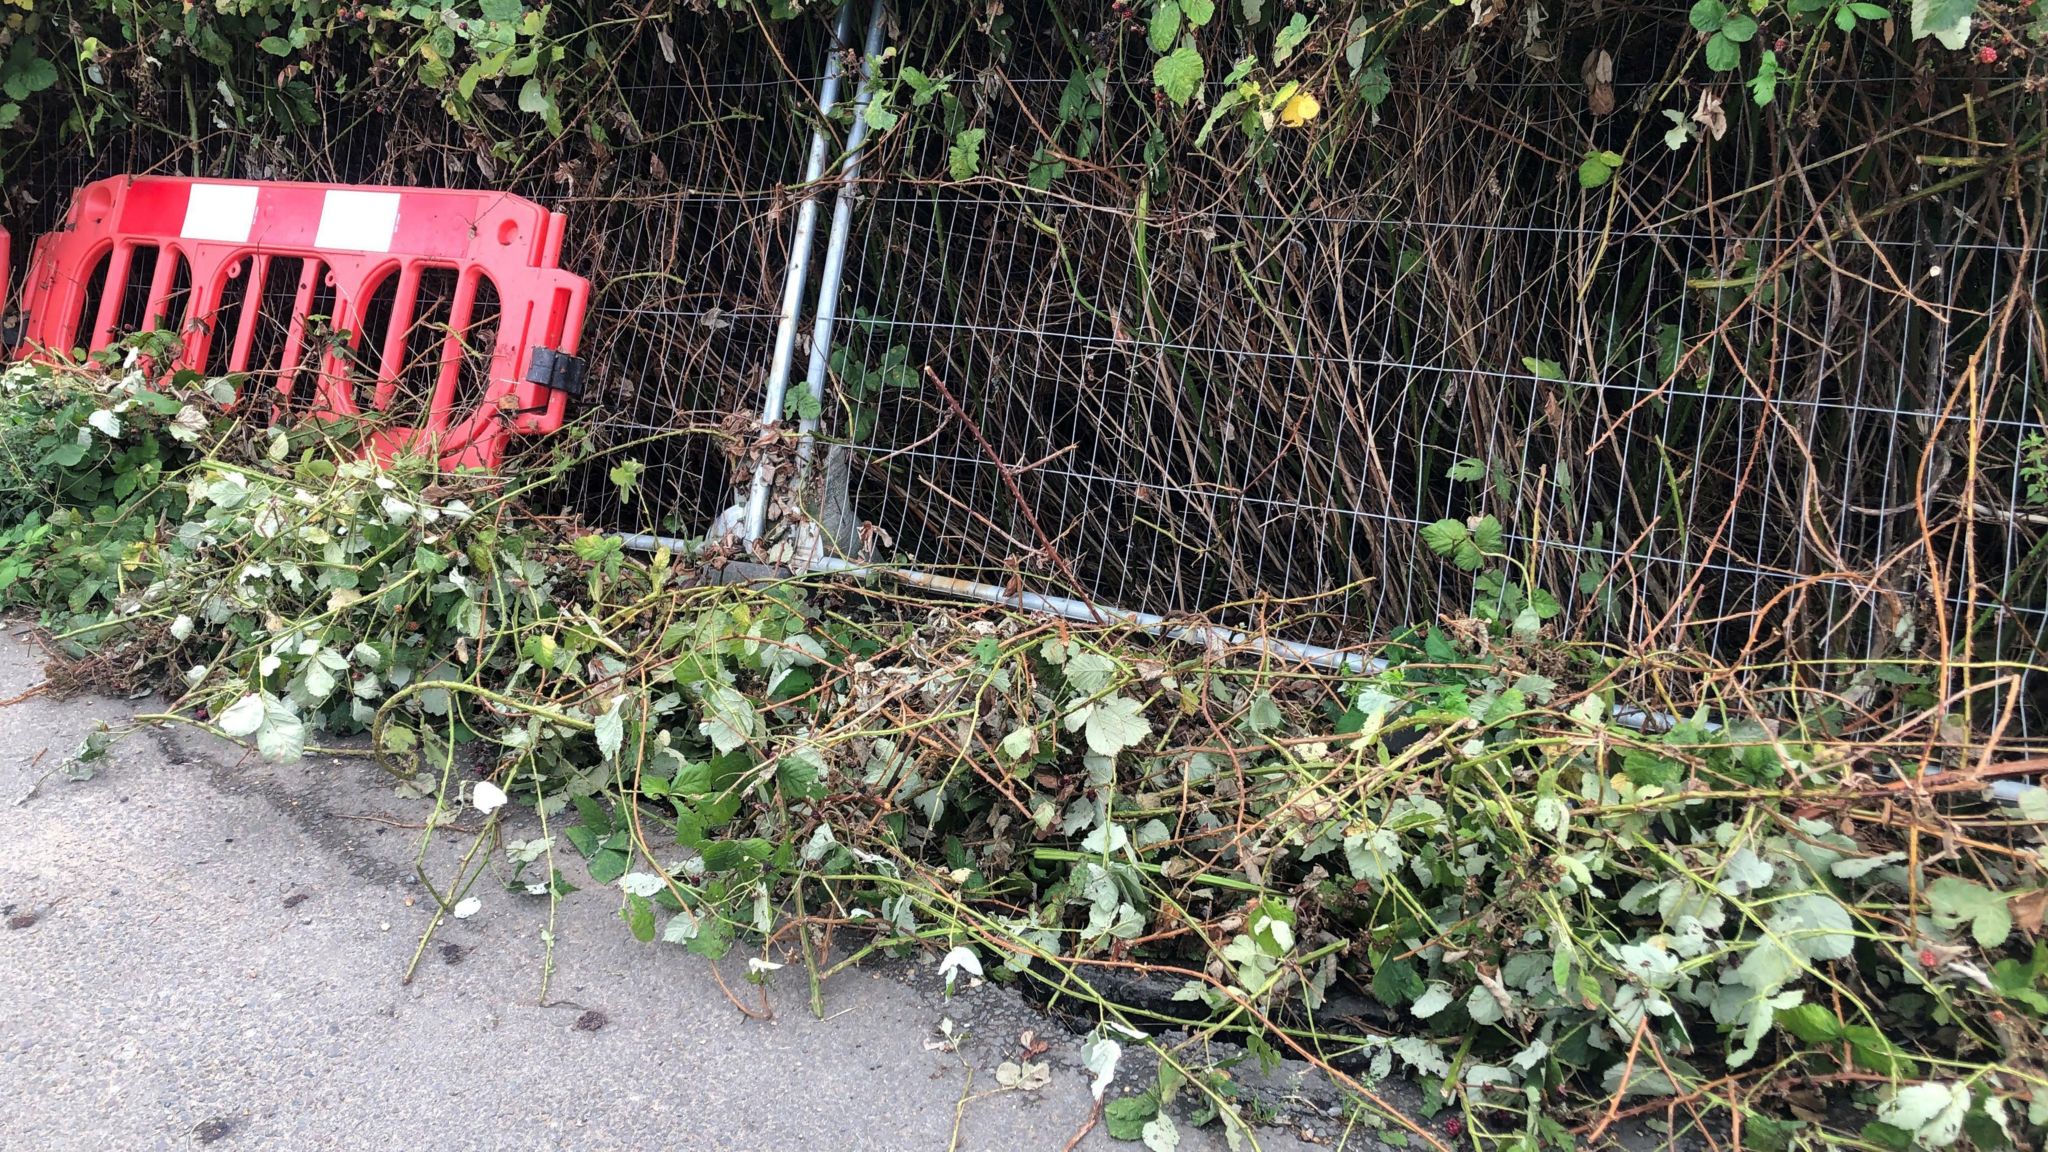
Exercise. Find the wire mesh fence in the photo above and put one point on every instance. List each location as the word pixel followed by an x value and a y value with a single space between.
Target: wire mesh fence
pixel 1753 404
pixel 1776 393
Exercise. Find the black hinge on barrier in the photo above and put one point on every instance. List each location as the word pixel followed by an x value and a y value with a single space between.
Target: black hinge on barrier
pixel 557 370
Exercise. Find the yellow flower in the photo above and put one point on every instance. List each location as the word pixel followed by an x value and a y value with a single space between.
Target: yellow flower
pixel 1301 108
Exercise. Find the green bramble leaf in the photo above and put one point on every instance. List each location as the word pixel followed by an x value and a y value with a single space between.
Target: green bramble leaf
pixel 1290 38
pixel 1873 1052
pixel 880 118
pixel 1723 54
pixel 243 717
pixel 1444 536
pixel 1811 1023
pixel 729 719
pixel 282 738
pixel 639 917
pixel 963 159
pixel 26 77
pixel 1763 87
pixel 1090 672
pixel 1487 534
pixel 924 88
pixel 1263 714
pixel 1018 743
pixel 1954 900
pixel 1179 74
pixel 1116 724
pixel 1948 21
pixel 1815 925
pixel 626 476
pixel 1433 1000
pixel 1932 1112
pixel 1126 1116
pixel 1374 84
pixel 1165 26
pixel 533 98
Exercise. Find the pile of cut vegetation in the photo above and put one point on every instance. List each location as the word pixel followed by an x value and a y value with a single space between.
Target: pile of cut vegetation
pixel 1559 884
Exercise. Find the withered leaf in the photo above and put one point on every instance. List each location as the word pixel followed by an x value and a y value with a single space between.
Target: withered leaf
pixel 1598 73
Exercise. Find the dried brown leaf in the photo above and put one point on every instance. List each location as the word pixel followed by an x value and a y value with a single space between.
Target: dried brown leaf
pixel 1710 116
pixel 2028 909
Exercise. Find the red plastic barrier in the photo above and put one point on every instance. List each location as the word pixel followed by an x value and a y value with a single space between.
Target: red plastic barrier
pixel 445 305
